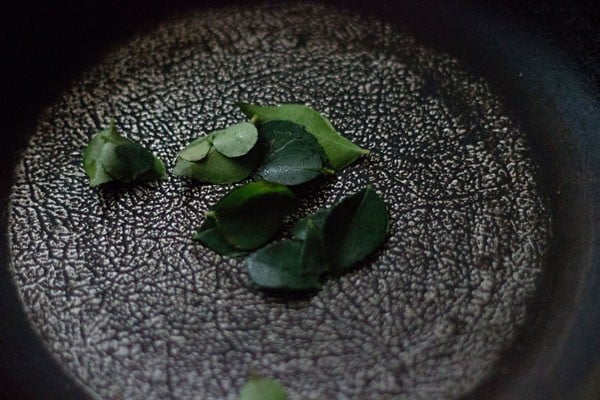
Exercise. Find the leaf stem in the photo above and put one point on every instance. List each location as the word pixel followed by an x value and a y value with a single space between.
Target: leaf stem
pixel 113 126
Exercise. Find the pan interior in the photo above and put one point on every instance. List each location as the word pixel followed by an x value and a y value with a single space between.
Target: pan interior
pixel 134 309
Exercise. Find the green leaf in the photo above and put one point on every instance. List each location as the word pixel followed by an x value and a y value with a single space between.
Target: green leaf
pixel 355 227
pixel 157 171
pixel 91 156
pixel 332 239
pixel 91 163
pixel 318 218
pixel 313 257
pixel 224 156
pixel 339 151
pixel 111 157
pixel 196 150
pixel 236 140
pixel 92 152
pixel 212 238
pixel 100 176
pixel 279 266
pixel 125 162
pixel 292 155
pixel 259 388
pixel 250 215
pixel 217 168
pixel 291 264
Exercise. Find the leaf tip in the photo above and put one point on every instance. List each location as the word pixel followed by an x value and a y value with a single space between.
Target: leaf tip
pixel 210 214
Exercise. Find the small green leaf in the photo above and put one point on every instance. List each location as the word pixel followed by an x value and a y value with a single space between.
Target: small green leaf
pixel 313 257
pixel 291 264
pixel 224 156
pixel 212 238
pixel 196 150
pixel 318 218
pixel 292 155
pixel 236 140
pixel 111 157
pixel 92 152
pixel 259 388
pixel 125 162
pixel 279 266
pixel 157 171
pixel 355 227
pixel 250 215
pixel 100 176
pixel 217 168
pixel 91 156
pixel 339 151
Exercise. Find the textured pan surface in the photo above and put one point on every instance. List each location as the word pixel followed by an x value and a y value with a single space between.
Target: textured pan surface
pixel 134 309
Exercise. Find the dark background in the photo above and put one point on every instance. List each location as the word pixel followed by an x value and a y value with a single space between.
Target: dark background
pixel 44 45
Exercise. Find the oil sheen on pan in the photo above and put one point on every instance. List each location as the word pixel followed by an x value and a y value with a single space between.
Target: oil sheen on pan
pixel 133 308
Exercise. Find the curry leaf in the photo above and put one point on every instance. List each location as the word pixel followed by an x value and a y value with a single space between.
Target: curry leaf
pixel 250 215
pixel 279 266
pixel 290 264
pixel 291 155
pixel 236 140
pixel 224 156
pixel 196 150
pixel 313 257
pixel 91 159
pixel 112 157
pixel 318 219
pixel 260 388
pixel 212 238
pixel 157 171
pixel 217 168
pixel 355 227
pixel 339 151
pixel 100 176
pixel 125 162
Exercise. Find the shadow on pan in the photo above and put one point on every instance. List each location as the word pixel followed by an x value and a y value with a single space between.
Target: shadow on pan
pixel 542 58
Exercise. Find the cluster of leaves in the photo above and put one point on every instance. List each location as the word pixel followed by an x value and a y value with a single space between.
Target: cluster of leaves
pixel 339 151
pixel 290 144
pixel 224 156
pixel 112 157
pixel 325 243
pixel 287 144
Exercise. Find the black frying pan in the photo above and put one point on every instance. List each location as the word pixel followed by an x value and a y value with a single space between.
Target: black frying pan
pixel 540 59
